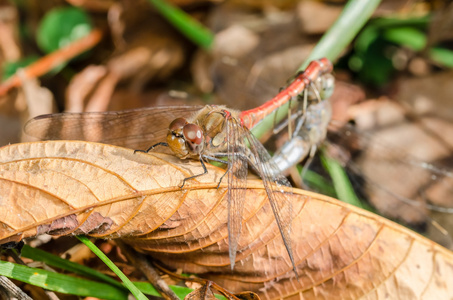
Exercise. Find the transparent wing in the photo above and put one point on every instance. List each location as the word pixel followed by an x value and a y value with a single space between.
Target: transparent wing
pixel 276 188
pixel 237 184
pixel 136 129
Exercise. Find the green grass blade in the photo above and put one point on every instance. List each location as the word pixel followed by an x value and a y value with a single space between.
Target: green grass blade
pixel 148 288
pixel 341 183
pixel 61 283
pixel 127 283
pixel 191 28
pixel 442 56
pixel 354 16
pixel 416 41
pixel 64 264
pixel 317 182
pixel 400 21
pixel 406 36
pixel 58 262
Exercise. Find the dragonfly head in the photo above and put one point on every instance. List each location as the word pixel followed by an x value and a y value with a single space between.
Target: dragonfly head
pixel 184 138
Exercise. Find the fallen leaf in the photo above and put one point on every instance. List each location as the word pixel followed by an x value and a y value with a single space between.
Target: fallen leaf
pixel 404 162
pixel 105 191
pixel 428 94
pixel 205 292
pixel 247 296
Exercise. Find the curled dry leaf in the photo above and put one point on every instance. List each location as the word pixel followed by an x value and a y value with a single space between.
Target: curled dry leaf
pixel 341 252
pixel 205 292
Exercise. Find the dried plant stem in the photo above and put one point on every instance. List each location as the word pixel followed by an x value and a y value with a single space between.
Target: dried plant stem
pixel 54 59
pixel 202 281
pixel 11 290
pixel 141 262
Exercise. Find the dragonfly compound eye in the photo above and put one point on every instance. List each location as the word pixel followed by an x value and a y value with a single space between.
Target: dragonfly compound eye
pixel 175 139
pixel 193 134
pixel 177 124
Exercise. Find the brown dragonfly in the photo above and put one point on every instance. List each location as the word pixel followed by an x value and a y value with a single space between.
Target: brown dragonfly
pixel 209 133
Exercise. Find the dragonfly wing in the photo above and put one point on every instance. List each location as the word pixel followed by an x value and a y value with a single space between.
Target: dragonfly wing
pixel 136 129
pixel 276 188
pixel 237 185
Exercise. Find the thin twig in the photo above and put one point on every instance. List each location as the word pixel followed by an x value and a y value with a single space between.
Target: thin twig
pixel 12 289
pixel 17 259
pixel 140 261
pixel 52 60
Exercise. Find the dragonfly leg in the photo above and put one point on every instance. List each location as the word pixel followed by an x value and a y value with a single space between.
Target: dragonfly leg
pixel 213 158
pixel 307 164
pixel 299 124
pixel 294 116
pixel 205 171
pixel 226 172
pixel 152 147
pixel 243 157
pixel 315 90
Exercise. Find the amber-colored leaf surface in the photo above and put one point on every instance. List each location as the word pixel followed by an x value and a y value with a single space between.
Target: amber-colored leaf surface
pixel 341 252
pixel 203 292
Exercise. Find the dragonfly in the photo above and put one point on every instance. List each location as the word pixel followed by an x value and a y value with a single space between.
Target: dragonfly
pixel 209 133
pixel 313 122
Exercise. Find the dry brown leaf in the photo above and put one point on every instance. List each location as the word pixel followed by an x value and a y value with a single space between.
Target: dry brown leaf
pixel 341 252
pixel 203 293
pixel 428 94
pixel 248 296
pixel 397 150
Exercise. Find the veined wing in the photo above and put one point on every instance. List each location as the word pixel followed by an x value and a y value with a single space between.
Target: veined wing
pixel 136 129
pixel 276 188
pixel 237 184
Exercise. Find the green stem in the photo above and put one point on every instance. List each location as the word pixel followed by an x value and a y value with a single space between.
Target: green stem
pixel 343 188
pixel 127 283
pixel 355 14
pixel 190 27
